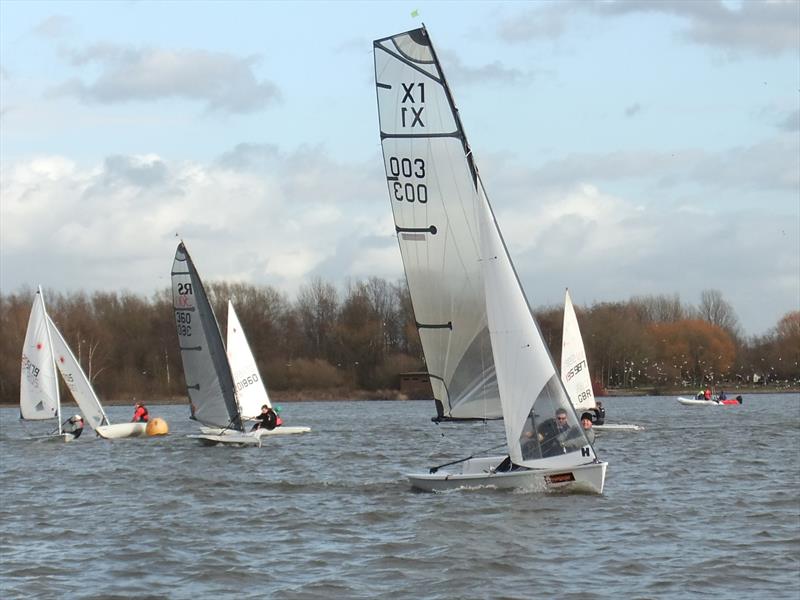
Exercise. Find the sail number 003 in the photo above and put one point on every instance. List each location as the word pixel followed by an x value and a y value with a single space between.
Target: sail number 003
pixel 408 168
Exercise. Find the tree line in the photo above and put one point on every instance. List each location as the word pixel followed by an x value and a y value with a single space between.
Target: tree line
pixel 364 336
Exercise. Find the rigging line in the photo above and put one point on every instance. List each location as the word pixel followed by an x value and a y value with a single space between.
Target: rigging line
pixel 455 462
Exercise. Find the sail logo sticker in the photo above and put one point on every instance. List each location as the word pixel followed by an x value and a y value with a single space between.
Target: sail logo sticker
pixel 560 478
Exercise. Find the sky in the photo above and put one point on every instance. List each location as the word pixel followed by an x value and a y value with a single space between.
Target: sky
pixel 628 148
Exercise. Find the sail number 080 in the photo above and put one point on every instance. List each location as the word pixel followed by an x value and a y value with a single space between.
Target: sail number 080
pixel 407 168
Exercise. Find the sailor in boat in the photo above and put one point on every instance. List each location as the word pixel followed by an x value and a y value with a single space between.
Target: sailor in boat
pixel 599 413
pixel 268 419
pixel 75 425
pixel 140 414
pixel 586 424
pixel 722 395
pixel 553 437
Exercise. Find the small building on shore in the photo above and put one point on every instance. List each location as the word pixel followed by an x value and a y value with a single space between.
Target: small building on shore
pixel 416 385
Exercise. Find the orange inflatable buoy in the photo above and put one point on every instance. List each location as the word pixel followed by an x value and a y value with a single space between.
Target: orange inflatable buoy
pixel 157 426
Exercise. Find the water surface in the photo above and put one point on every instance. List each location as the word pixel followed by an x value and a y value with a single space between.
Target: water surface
pixel 702 503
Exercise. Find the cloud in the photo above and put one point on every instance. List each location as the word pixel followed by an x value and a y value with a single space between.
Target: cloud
pixel 493 72
pixel 112 225
pixel 791 123
pixel 606 248
pixel 54 27
pixel 767 165
pixel 223 82
pixel 633 110
pixel 764 28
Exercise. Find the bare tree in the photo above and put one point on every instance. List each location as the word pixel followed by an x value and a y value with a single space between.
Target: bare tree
pixel 716 310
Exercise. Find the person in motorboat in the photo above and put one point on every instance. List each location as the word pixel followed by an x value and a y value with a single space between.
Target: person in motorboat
pixel 75 424
pixel 140 414
pixel 268 419
pixel 722 395
pixel 707 394
pixel 599 413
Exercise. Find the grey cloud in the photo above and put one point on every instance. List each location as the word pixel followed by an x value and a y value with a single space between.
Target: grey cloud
pixel 249 157
pixel 53 27
pixel 633 109
pixel 493 72
pixel 769 166
pixel 121 172
pixel 759 27
pixel 224 82
pixel 791 123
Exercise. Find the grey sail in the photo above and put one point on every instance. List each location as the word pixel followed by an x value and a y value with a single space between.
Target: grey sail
pixel 434 189
pixel 209 382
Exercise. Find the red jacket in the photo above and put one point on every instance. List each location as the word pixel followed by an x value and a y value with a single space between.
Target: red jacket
pixel 140 415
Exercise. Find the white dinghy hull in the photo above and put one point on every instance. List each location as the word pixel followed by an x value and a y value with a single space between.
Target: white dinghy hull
pixel 121 430
pixel 617 427
pixel 696 402
pixel 282 430
pixel 232 438
pixel 480 473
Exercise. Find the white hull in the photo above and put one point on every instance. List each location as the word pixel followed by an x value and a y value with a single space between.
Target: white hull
pixel 696 402
pixel 260 432
pixel 617 427
pixel 121 430
pixel 232 438
pixel 479 472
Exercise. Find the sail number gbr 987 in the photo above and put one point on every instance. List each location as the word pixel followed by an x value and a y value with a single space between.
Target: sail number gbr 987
pixel 403 177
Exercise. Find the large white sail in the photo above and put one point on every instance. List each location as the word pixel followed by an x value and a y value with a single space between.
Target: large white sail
pixel 574 368
pixel 205 365
pixel 38 393
pixel 530 388
pixel 250 390
pixel 433 187
pixel 76 380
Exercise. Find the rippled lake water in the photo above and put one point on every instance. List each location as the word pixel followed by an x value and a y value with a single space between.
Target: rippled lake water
pixel 702 503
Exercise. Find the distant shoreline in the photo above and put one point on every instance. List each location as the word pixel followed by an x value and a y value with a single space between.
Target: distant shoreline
pixel 344 395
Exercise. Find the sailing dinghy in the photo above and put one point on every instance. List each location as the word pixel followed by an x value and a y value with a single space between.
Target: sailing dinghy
pixel 39 397
pixel 250 390
pixel 483 348
pixel 219 399
pixel 84 394
pixel 575 370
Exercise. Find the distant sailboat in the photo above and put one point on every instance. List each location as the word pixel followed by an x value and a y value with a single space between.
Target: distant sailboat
pixel 483 348
pixel 251 392
pixel 39 397
pixel 84 394
pixel 210 383
pixel 575 369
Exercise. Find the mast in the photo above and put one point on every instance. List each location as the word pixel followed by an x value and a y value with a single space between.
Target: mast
pixel 52 359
